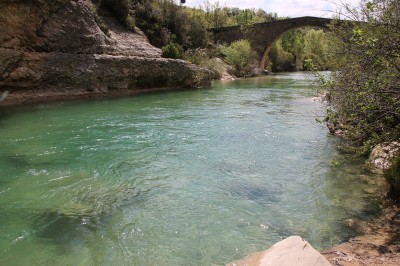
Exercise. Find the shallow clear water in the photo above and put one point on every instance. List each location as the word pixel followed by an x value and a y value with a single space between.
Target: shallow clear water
pixel 196 177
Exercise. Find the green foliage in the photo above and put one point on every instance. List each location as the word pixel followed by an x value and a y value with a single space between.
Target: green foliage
pixel 365 89
pixel 150 18
pixel 215 65
pixel 334 163
pixel 309 65
pixel 130 23
pixel 197 35
pixel 281 60
pixel 297 48
pixel 392 175
pixel 294 42
pixel 241 56
pixel 317 62
pixel 172 50
pixel 316 48
pixel 120 9
pixel 218 15
pixel 206 58
pixel 163 22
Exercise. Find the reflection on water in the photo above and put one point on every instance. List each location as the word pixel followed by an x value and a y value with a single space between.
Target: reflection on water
pixel 197 177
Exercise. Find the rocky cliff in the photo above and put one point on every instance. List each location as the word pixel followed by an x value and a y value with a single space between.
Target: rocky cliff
pixel 56 49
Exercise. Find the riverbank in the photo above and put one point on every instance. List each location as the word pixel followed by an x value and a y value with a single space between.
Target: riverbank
pixel 379 242
pixel 38 64
pixel 39 96
pixel 379 245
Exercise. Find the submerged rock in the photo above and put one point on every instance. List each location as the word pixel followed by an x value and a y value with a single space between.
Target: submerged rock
pixel 293 251
pixel 256 193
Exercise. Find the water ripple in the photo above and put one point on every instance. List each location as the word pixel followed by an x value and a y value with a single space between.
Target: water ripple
pixel 181 178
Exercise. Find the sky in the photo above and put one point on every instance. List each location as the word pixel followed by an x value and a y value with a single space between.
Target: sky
pixel 284 8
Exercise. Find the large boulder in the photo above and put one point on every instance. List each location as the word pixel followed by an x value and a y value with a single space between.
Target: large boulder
pixel 292 251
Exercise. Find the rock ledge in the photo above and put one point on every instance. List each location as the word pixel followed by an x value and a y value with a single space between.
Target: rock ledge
pixel 53 50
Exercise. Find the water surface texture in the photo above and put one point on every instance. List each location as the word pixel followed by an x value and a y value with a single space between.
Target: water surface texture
pixel 196 177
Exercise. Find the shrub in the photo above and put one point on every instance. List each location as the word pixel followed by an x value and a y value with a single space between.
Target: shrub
pixel 204 58
pixel 215 65
pixel 316 61
pixel 172 50
pixel 365 89
pixel 197 35
pixel 240 55
pixel 130 23
pixel 281 60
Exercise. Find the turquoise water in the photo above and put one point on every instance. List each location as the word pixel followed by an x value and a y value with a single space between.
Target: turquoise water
pixel 196 177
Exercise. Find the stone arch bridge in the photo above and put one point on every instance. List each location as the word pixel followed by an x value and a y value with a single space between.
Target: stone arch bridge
pixel 263 35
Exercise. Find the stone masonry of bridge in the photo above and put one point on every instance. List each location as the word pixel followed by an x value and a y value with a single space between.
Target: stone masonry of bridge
pixel 263 35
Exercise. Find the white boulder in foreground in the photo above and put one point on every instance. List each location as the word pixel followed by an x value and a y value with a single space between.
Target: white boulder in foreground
pixel 293 251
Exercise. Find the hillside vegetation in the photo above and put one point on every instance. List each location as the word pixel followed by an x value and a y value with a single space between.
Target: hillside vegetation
pixel 295 48
pixel 182 31
pixel 365 87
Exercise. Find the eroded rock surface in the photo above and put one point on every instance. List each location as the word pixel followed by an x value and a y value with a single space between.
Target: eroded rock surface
pixel 381 156
pixel 292 251
pixel 56 50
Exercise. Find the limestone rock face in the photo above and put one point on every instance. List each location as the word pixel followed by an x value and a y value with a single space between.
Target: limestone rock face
pixel 21 20
pixel 382 154
pixel 56 49
pixel 292 251
pixel 71 29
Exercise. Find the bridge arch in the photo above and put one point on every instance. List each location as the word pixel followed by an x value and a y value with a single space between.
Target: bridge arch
pixel 263 35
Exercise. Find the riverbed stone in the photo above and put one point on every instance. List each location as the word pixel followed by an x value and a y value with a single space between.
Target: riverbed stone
pixel 292 251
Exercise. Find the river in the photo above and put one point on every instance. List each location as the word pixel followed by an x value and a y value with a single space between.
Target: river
pixel 197 177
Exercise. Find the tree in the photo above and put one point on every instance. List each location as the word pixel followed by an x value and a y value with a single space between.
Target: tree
pixel 293 42
pixel 197 29
pixel 316 48
pixel 365 89
pixel 281 59
pixel 216 14
pixel 241 56
pixel 290 52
